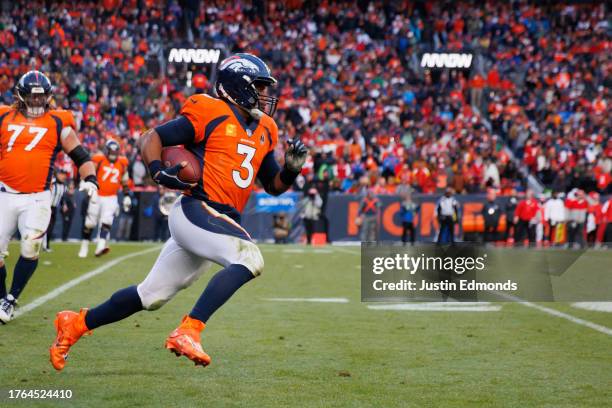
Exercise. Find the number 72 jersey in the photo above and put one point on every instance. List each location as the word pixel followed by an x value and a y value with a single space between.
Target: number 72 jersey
pixel 28 148
pixel 111 175
pixel 230 150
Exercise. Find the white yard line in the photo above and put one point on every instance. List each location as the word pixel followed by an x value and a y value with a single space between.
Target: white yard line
pixel 316 300
pixel 573 319
pixel 594 306
pixel 72 283
pixel 347 251
pixel 439 307
pixel 554 312
pixel 294 250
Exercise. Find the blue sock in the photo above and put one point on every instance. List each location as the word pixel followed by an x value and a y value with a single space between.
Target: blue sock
pixel 122 304
pixel 24 268
pixel 220 288
pixel 2 281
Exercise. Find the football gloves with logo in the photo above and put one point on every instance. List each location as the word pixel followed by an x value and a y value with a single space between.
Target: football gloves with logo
pixel 295 156
pixel 168 176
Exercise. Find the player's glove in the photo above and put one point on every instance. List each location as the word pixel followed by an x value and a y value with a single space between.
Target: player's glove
pixel 90 186
pixel 168 176
pixel 295 156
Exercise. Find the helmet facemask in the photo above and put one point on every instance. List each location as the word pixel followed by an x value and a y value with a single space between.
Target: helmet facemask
pixel 265 103
pixel 36 103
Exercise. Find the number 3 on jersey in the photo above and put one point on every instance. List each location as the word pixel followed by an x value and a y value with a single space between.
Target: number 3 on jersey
pixel 249 153
pixel 17 129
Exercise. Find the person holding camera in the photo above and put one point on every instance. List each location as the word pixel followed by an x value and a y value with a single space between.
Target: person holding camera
pixel 311 212
pixel 127 212
pixel 281 228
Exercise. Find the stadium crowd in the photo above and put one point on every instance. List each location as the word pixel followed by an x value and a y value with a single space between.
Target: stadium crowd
pixel 350 83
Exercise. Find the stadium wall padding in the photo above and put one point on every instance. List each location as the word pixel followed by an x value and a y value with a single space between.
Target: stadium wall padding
pixel 341 211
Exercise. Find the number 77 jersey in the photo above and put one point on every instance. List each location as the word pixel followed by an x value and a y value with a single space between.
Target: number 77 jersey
pixel 229 149
pixel 28 148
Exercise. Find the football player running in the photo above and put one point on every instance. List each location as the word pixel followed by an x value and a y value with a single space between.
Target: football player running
pixel 112 173
pixel 31 136
pixel 233 136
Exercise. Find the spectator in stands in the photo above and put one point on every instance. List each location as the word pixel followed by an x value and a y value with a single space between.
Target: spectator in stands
pixel 447 212
pixel 525 219
pixel 354 88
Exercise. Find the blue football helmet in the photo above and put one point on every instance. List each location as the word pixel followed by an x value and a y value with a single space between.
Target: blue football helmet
pixel 34 93
pixel 238 80
pixel 111 150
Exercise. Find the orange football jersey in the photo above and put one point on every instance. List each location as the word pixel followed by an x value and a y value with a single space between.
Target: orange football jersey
pixel 29 146
pixel 110 175
pixel 230 150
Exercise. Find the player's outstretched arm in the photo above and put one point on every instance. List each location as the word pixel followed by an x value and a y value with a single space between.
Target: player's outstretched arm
pixel 72 146
pixel 276 180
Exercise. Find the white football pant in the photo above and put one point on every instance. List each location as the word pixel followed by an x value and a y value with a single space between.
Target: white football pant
pixel 199 236
pixel 30 213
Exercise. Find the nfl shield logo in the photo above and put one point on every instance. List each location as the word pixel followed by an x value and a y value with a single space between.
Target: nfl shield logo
pixel 249 132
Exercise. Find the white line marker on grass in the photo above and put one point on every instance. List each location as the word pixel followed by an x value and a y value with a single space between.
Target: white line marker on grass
pixel 554 312
pixel 317 300
pixel 439 307
pixel 72 283
pixel 294 250
pixel 594 306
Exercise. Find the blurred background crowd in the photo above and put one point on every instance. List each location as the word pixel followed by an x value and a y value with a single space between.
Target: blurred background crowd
pixel 531 110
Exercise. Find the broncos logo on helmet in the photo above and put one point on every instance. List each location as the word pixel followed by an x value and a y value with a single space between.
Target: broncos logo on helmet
pixel 237 63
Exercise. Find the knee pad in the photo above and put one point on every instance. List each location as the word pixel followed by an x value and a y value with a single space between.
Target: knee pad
pixel 30 247
pixel 252 259
pixel 156 298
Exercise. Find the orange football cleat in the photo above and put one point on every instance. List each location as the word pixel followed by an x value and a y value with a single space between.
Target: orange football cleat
pixel 185 341
pixel 70 326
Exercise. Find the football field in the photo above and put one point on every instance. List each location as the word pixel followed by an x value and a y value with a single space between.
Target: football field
pixel 299 336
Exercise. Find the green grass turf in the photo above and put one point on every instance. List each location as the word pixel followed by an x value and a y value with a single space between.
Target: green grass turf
pixel 302 354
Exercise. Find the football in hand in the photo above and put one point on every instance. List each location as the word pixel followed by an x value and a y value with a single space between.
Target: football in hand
pixel 173 155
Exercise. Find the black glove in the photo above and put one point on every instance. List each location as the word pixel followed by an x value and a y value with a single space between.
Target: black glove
pixel 168 176
pixel 295 156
